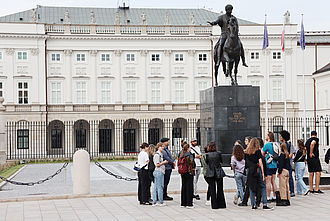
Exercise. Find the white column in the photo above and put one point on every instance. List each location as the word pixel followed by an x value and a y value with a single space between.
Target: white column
pixel 144 60
pixel 93 76
pixel 191 74
pixel 10 95
pixel 117 86
pixel 68 87
pixel 168 88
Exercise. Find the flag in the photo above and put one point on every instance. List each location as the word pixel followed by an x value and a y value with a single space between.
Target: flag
pixel 282 38
pixel 302 36
pixel 265 41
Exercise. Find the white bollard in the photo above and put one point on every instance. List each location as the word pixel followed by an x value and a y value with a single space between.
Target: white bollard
pixel 81 172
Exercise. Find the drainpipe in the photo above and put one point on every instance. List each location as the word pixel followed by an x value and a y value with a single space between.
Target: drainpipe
pixel 211 57
pixel 314 81
pixel 46 82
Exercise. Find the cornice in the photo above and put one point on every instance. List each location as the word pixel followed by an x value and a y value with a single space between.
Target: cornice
pixel 128 37
pixel 8 35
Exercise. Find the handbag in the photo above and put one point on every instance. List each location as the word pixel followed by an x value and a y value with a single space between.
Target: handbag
pixel 137 168
pixel 222 173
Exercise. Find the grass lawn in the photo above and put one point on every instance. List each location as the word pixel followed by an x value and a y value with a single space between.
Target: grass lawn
pixel 10 171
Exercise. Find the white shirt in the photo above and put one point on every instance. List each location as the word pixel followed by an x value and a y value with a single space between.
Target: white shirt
pixel 143 159
pixel 197 151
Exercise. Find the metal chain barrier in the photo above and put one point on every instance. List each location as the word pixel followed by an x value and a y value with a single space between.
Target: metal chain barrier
pixel 115 175
pixel 38 182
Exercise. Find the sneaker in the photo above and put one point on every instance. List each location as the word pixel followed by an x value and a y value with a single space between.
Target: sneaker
pixel 197 197
pixel 306 193
pixel 154 204
pixel 235 199
pixel 268 208
pixel 162 204
pixel 318 191
pixel 292 195
pixel 254 207
pixel 182 206
pixel 190 207
pixel 207 203
pixel 273 200
pixel 242 204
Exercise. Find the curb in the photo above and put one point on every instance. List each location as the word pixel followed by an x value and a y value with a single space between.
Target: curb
pixel 3 183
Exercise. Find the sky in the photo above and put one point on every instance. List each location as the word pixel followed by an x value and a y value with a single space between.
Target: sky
pixel 316 12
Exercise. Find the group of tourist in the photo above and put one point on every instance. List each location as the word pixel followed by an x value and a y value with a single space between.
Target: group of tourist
pixel 255 164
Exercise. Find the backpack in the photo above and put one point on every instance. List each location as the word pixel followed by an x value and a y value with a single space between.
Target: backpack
pixel 276 149
pixel 183 166
pixel 152 166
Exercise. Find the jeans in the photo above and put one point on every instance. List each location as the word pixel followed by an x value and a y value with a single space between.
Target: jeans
pixel 197 173
pixel 167 178
pixel 291 183
pixel 300 170
pixel 240 183
pixel 158 186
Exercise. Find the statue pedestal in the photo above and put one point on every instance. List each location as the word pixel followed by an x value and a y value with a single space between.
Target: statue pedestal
pixel 229 113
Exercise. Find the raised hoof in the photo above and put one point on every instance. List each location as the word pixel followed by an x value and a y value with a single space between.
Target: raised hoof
pixel 245 65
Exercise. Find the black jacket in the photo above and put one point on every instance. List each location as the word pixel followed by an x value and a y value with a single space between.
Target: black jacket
pixel 213 161
pixel 327 156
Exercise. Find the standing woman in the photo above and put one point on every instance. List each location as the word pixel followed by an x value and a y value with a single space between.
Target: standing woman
pixel 186 167
pixel 300 165
pixel 283 175
pixel 151 167
pixel 143 187
pixel 238 166
pixel 159 175
pixel 255 167
pixel 214 177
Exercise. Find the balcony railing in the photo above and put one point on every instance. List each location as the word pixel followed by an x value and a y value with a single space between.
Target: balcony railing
pixel 129 29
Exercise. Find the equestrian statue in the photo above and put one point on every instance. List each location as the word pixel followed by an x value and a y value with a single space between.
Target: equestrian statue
pixel 229 48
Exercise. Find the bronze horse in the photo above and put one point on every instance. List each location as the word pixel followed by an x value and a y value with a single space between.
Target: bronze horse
pixel 231 53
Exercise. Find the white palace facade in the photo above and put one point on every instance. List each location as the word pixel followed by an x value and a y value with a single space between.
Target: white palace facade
pixel 129 75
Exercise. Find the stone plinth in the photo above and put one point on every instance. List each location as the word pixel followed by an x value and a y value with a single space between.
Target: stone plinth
pixel 229 113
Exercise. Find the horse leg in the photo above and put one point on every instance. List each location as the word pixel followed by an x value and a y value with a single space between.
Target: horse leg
pixel 236 71
pixel 230 64
pixel 224 68
pixel 216 67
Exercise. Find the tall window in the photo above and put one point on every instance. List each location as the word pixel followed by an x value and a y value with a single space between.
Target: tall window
pixel 179 92
pixel 155 57
pixel 1 89
pixel 202 57
pixel 105 57
pixel 56 141
pixel 56 57
pixel 23 93
pixel 81 57
pixel 56 92
pixel 155 92
pixel 131 92
pixel 277 90
pixel 81 92
pixel 178 57
pixel 22 55
pixel 254 55
pixel 276 55
pixel 106 92
pixel 130 57
pixel 23 139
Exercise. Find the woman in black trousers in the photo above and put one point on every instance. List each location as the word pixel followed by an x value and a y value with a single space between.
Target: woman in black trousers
pixel 186 160
pixel 143 175
pixel 214 177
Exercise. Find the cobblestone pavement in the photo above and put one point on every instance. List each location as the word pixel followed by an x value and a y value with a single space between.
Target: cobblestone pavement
pixel 313 206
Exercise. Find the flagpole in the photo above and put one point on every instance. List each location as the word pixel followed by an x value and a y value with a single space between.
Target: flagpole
pixel 302 44
pixel 285 95
pixel 267 85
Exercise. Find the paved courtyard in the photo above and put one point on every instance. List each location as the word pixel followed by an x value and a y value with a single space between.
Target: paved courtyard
pixel 314 207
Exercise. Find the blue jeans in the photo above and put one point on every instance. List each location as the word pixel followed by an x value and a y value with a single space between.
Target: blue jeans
pixel 263 190
pixel 240 183
pixel 300 170
pixel 158 186
pixel 291 183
